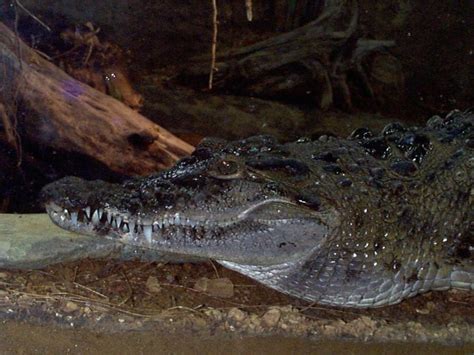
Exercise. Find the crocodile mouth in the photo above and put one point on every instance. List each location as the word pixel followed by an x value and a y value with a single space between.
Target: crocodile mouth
pixel 146 231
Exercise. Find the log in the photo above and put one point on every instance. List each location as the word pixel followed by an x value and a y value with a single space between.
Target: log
pixel 57 111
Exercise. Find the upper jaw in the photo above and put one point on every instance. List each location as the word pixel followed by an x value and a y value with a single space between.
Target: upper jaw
pixel 98 208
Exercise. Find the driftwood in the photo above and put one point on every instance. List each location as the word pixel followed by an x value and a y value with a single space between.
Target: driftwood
pixel 318 62
pixel 57 111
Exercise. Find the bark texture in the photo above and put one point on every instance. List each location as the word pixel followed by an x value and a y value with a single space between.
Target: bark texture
pixel 57 111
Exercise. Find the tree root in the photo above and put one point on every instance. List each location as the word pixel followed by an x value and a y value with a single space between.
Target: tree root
pixel 313 62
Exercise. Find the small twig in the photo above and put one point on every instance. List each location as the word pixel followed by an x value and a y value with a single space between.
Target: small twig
pixel 129 287
pixel 194 310
pixel 215 268
pixel 314 305
pixel 214 43
pixel 89 53
pixel 28 12
pixel 90 290
pixel 80 299
pixel 74 276
pixel 249 10
pixel 44 55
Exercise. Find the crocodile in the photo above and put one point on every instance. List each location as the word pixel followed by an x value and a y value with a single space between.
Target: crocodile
pixel 365 221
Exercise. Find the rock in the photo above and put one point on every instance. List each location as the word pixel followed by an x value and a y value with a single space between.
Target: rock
pixel 199 323
pixel 70 307
pixel 222 287
pixel 430 307
pixel 254 321
pixel 236 314
pixel 362 327
pixel 330 330
pixel 271 317
pixel 153 285
pixel 368 322
pixel 171 279
pixel 213 313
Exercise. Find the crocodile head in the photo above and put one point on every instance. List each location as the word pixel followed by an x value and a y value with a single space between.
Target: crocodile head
pixel 220 203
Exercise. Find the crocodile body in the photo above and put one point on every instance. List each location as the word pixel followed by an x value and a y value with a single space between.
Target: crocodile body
pixel 360 222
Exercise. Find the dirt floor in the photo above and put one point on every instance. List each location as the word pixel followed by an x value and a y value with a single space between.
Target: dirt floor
pixel 22 338
pixel 207 300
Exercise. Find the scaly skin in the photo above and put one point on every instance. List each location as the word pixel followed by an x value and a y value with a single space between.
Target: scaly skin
pixel 359 222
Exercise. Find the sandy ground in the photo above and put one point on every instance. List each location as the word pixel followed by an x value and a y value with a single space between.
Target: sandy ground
pixel 206 299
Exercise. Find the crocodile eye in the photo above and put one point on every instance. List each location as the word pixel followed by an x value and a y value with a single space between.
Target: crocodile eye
pixel 226 169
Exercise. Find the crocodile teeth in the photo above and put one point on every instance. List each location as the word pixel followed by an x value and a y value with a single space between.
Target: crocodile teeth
pixel 87 212
pixel 177 219
pixel 132 227
pixel 147 229
pixel 100 212
pixel 95 217
pixel 65 215
pixel 125 227
pixel 74 218
pixel 118 221
pixel 109 218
